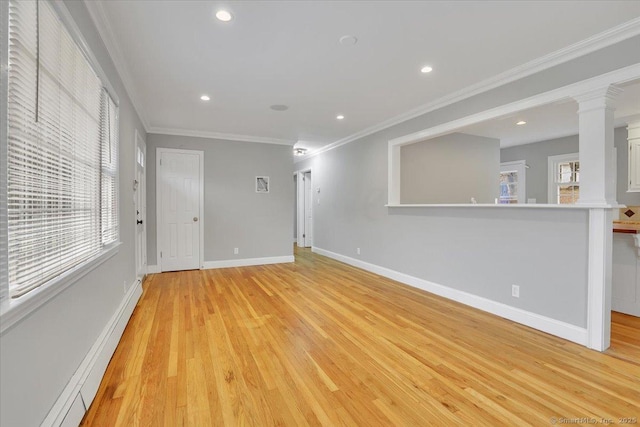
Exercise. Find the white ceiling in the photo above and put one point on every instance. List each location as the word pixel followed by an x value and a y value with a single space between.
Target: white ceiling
pixel 554 120
pixel 287 52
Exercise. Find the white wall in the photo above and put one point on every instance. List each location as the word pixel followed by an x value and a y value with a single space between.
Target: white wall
pixel 40 354
pixel 452 168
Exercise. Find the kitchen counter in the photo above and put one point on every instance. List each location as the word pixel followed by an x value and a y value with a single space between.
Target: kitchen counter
pixel 626 227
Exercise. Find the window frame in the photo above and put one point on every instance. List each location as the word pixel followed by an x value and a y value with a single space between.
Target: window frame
pixel 552 165
pixel 12 310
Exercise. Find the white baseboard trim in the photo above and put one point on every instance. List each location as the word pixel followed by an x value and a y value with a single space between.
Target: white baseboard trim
pixel 546 324
pixel 152 269
pixel 248 261
pixel 84 383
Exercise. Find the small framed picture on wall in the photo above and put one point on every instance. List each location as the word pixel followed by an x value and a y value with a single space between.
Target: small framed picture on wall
pixel 262 184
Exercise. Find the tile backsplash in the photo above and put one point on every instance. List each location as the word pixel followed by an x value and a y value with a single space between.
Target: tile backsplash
pixel 630 214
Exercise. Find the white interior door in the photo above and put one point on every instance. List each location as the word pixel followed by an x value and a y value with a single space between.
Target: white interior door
pixel 308 210
pixel 140 201
pixel 180 201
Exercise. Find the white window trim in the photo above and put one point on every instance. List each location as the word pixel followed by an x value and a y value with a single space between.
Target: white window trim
pixel 14 310
pixel 552 163
pixel 519 166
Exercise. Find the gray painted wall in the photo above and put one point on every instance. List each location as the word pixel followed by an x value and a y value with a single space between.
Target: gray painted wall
pixel 478 250
pixel 482 251
pixel 536 155
pixel 39 355
pixel 450 169
pixel 235 216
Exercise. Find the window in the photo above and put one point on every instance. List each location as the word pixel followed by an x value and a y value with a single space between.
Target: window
pixel 62 151
pixel 512 182
pixel 564 179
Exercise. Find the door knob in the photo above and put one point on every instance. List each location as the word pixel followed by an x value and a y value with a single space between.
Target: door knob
pixel 195 219
pixel 139 221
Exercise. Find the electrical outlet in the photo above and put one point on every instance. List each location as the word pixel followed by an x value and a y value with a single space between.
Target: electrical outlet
pixel 235 251
pixel 515 291
pixel 358 251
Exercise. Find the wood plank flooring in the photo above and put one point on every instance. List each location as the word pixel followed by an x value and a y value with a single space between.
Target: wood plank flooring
pixel 317 342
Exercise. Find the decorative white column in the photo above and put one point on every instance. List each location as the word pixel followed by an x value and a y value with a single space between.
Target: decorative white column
pixel 597 187
pixel 597 174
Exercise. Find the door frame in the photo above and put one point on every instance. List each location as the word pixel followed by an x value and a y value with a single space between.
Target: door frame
pixel 308 203
pixel 200 154
pixel 295 208
pixel 137 138
pixel 300 209
pixel 519 166
pixel 299 223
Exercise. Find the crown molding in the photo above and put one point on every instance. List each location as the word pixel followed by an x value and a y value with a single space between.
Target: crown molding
pixel 622 75
pixel 601 82
pixel 219 135
pixel 607 38
pixel 599 41
pixel 99 17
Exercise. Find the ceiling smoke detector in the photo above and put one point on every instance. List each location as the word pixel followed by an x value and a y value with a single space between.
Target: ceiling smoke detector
pixel 299 151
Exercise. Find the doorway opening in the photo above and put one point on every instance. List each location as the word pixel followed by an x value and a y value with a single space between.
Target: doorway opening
pixel 304 203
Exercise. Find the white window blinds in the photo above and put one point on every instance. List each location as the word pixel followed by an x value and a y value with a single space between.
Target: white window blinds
pixel 62 151
pixel 4 43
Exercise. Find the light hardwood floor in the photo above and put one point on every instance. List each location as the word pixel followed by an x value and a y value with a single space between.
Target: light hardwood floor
pixel 317 342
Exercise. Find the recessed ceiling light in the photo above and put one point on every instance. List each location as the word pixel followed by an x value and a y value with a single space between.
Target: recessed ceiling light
pixel 521 122
pixel 348 40
pixel 426 69
pixel 224 16
pixel 205 97
pixel 339 117
pixel 279 107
